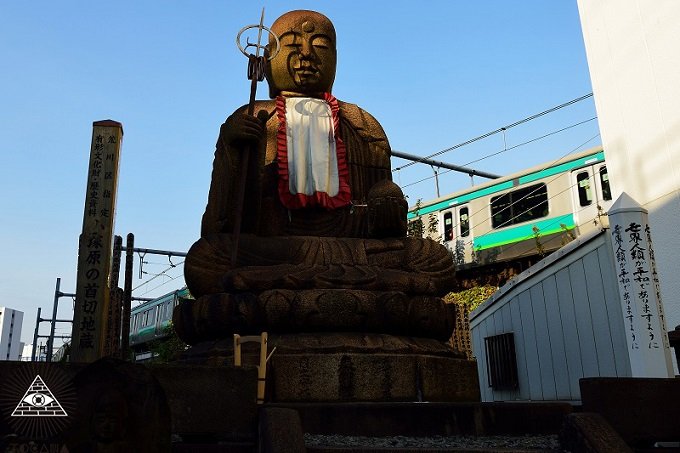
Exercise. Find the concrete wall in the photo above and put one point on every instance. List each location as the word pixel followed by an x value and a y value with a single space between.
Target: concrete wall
pixel 566 316
pixel 634 60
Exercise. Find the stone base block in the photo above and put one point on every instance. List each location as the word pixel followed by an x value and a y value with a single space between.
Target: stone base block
pixel 372 377
pixel 642 410
pixel 346 366
pixel 210 402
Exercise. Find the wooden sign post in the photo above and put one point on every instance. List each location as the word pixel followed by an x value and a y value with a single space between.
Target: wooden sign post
pixel 94 250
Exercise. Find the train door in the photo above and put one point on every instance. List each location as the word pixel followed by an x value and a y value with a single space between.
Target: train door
pixel 457 233
pixel 158 319
pixel 448 227
pixel 464 243
pixel 591 196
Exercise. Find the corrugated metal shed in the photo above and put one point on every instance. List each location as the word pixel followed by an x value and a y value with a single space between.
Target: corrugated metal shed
pixel 566 319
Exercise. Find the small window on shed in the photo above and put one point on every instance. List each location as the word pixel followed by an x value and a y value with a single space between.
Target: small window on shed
pixel 501 362
pixel 448 226
pixel 604 182
pixel 585 196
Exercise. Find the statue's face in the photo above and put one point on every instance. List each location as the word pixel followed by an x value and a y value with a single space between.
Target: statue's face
pixel 306 63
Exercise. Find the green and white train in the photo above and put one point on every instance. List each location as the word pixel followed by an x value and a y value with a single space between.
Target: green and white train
pixel 149 321
pixel 528 213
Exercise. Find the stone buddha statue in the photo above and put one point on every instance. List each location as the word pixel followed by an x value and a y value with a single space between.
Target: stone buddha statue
pixel 323 244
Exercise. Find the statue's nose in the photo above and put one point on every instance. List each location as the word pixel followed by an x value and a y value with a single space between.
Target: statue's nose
pixel 306 49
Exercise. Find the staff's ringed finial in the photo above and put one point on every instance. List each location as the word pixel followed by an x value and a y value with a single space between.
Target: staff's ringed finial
pixel 256 62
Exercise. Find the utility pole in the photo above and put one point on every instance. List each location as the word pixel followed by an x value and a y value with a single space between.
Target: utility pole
pixel 35 336
pixel 130 250
pixel 127 297
pixel 53 321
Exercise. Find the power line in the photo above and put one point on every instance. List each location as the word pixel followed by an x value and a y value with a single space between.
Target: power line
pixel 501 129
pixel 164 283
pixel 157 275
pixel 505 150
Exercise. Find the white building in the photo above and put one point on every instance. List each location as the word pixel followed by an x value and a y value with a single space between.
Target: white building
pixel 634 62
pixel 11 346
pixel 26 352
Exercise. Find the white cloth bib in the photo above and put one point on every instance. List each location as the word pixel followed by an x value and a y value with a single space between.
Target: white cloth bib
pixel 312 156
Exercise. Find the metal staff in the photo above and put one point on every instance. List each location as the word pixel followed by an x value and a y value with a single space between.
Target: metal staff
pixel 256 64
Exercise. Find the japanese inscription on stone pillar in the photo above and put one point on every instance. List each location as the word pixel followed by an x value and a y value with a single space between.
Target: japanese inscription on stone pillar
pixel 638 281
pixel 94 251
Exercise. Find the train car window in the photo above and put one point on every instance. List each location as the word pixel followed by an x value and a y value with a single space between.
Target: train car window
pixel 604 182
pixel 448 226
pixel 521 205
pixel 464 222
pixel 145 319
pixel 530 203
pixel 585 196
pixel 501 211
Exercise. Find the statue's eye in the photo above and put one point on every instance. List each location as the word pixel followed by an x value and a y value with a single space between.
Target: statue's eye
pixel 321 42
pixel 38 399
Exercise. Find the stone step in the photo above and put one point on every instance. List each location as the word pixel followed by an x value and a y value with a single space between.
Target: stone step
pixel 226 447
pixel 425 450
pixel 436 427
pixel 441 444
pixel 430 419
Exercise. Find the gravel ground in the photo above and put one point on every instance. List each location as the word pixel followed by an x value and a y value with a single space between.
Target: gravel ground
pixel 509 442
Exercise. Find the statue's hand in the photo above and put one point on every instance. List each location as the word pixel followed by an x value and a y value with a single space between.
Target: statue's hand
pixel 387 209
pixel 241 129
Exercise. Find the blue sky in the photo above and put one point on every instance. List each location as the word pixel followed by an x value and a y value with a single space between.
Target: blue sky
pixel 433 73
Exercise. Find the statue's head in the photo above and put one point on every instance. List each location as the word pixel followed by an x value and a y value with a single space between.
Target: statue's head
pixel 306 63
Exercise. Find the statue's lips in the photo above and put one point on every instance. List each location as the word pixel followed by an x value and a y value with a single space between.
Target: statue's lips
pixel 306 71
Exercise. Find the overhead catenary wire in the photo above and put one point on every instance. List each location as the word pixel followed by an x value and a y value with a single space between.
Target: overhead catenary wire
pixel 157 275
pixel 164 283
pixel 505 150
pixel 500 129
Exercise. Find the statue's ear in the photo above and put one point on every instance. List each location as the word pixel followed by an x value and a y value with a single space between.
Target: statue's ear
pixel 268 72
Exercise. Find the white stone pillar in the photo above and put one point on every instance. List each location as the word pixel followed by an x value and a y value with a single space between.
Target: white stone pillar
pixel 639 290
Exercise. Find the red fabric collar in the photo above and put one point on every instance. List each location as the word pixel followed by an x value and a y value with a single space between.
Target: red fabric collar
pixel 321 199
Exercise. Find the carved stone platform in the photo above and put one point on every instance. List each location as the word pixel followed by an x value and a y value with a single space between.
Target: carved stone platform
pixel 318 367
pixel 314 310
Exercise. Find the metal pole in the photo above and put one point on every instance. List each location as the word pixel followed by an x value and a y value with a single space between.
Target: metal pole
pixel 469 171
pixel 53 323
pixel 153 251
pixel 35 336
pixel 127 298
pixel 115 301
pixel 436 178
